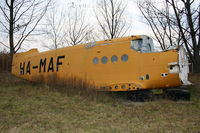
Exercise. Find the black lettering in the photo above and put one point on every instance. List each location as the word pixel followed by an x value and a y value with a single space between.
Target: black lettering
pixel 58 62
pixel 22 68
pixel 50 68
pixel 35 67
pixel 28 70
pixel 42 64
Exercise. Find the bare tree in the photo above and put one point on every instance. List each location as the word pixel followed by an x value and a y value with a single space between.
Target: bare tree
pixel 54 28
pixel 181 22
pixel 165 31
pixel 71 29
pixel 78 30
pixel 110 17
pixel 192 19
pixel 19 19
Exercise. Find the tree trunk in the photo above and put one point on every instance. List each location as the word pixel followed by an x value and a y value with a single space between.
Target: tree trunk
pixel 12 49
pixel 196 65
pixel 11 33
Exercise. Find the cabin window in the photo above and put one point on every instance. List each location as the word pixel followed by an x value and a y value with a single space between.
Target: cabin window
pixel 95 60
pixel 124 57
pixel 104 60
pixel 114 58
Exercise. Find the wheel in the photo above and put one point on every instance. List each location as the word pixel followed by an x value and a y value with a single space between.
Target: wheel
pixel 177 94
pixel 141 96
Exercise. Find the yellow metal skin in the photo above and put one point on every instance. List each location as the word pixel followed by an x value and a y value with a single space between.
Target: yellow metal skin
pixel 140 71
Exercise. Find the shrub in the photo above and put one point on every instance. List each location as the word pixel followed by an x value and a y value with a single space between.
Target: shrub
pixel 5 61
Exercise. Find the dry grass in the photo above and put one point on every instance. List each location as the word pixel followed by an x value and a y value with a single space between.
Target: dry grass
pixel 70 86
pixel 195 87
pixel 37 108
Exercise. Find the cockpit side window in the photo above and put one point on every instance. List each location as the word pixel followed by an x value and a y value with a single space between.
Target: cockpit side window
pixel 146 48
pixel 136 44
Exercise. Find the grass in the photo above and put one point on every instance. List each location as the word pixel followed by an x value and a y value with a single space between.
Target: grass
pixel 37 108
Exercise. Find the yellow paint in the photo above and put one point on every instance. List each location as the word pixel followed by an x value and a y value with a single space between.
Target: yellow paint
pixel 117 76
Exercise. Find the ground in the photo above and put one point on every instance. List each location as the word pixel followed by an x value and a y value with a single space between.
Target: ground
pixel 27 107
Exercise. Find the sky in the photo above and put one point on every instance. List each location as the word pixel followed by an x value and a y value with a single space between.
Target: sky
pixel 132 12
pixel 138 27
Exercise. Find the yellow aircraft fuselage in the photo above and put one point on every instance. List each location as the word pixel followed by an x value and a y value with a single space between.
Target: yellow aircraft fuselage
pixel 114 65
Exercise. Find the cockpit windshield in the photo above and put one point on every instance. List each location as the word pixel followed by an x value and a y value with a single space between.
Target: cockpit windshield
pixel 143 45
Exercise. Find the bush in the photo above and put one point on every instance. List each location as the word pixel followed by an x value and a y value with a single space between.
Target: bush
pixel 5 61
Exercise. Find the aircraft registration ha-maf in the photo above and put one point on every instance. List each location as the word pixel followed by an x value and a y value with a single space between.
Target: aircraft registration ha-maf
pixel 120 64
